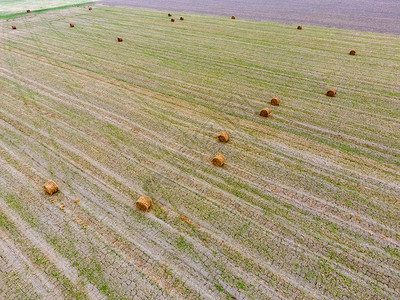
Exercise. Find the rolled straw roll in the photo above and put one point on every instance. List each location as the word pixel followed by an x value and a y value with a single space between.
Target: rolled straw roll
pixel 50 187
pixel 223 136
pixel 218 160
pixel 265 112
pixel 331 93
pixel 275 101
pixel 143 203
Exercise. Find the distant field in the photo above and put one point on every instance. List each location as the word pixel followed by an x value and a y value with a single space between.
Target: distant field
pixel 368 15
pixel 10 7
pixel 307 205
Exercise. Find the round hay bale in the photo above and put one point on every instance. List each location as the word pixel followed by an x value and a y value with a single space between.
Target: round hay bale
pixel 14 27
pixel 218 160
pixel 352 52
pixel 233 17
pixel 275 101
pixel 50 187
pixel 172 20
pixel 90 8
pixel 223 136
pixel 71 25
pixel 265 112
pixel 28 11
pixel 143 203
pixel 120 39
pixel 181 18
pixel 299 27
pixel 169 15
pixel 331 93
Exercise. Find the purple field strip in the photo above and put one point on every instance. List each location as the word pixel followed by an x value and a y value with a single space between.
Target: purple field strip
pixel 369 15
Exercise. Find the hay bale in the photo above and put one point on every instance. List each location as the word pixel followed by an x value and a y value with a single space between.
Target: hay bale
pixel 265 112
pixel 172 20
pixel 50 187
pixel 233 17
pixel 14 27
pixel 218 160
pixel 143 203
pixel 77 201
pixel 275 101
pixel 90 8
pixel 223 136
pixel 169 15
pixel 181 18
pixel 28 11
pixel 331 93
pixel 120 39
pixel 352 52
pixel 71 25
pixel 62 206
pixel 299 27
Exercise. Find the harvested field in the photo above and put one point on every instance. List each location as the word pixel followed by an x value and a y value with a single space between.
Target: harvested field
pixel 369 15
pixel 307 205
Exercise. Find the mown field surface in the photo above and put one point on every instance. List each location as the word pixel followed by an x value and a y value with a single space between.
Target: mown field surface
pixel 306 206
pixel 368 15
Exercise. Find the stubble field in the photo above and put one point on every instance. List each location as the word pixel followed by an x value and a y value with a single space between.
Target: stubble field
pixel 306 205
pixel 367 15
